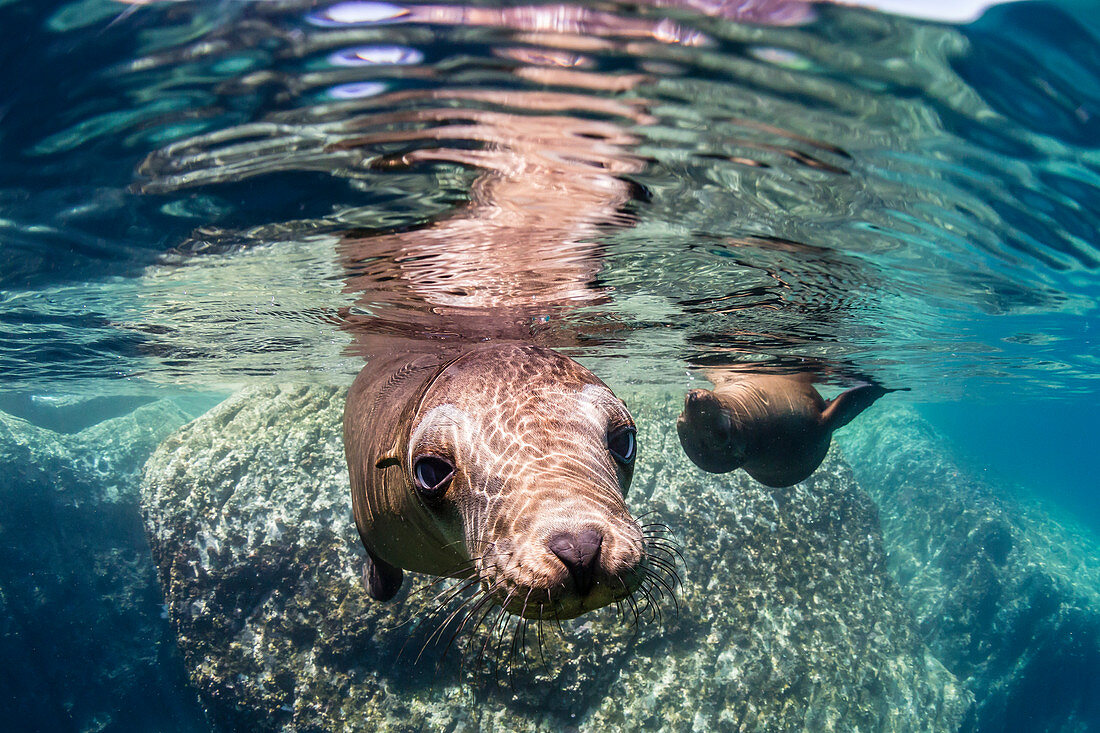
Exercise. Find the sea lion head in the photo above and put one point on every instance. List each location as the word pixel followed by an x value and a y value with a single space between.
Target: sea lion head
pixel 520 458
pixel 710 434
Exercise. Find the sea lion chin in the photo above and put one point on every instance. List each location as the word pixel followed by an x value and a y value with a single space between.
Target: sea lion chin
pixel 504 464
pixel 776 427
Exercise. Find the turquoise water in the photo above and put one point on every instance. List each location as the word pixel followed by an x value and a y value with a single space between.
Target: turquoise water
pixel 202 197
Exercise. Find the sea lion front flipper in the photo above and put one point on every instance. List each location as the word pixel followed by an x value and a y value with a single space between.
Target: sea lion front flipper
pixel 381 579
pixel 844 408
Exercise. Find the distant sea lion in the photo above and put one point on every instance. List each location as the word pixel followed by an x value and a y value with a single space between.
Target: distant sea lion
pixel 506 463
pixel 776 427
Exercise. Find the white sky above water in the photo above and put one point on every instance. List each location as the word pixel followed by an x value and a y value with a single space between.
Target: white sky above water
pixel 948 11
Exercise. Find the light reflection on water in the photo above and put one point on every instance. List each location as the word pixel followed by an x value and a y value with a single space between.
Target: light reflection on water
pixel 812 188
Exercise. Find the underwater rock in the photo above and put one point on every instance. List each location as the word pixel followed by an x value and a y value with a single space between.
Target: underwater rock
pixel 82 640
pixel 787 620
pixel 1006 595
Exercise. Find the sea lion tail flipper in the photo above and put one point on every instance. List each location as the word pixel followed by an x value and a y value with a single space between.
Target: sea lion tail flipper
pixel 844 408
pixel 381 579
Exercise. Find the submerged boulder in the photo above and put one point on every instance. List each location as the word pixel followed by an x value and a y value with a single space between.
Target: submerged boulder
pixel 787 619
pixel 82 639
pixel 1006 595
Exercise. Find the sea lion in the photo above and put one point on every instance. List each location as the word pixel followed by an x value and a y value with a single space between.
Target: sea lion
pixel 777 427
pixel 473 452
pixel 507 464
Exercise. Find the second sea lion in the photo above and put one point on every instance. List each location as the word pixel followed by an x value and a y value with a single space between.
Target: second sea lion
pixel 777 427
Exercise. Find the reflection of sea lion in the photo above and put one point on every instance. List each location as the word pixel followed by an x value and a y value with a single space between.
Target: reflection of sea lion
pixel 506 464
pixel 776 427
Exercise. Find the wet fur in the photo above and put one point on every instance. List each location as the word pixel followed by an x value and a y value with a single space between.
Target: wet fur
pixel 526 429
pixel 776 427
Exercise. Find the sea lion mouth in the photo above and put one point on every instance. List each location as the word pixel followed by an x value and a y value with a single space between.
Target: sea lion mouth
pixel 563 601
pixel 575 575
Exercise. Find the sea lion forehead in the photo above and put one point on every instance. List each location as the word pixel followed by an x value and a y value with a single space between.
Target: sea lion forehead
pixel 494 375
pixel 513 386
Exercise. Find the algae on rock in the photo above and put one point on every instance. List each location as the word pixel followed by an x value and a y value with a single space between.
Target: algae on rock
pixel 787 619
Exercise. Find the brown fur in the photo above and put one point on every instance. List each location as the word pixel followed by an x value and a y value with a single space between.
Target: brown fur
pixel 526 429
pixel 776 427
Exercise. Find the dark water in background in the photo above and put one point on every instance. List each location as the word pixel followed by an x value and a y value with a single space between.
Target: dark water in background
pixel 825 189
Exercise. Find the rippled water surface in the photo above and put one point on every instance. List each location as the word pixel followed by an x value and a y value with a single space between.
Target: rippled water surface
pixel 857 192
pixel 819 188
pixel 196 196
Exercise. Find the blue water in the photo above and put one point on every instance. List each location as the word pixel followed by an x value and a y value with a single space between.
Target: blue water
pixel 807 188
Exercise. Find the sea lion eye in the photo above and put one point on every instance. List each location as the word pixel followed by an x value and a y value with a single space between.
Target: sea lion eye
pixel 433 474
pixel 622 444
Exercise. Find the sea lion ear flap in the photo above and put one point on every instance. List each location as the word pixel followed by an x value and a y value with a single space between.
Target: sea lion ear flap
pixel 392 457
pixel 844 408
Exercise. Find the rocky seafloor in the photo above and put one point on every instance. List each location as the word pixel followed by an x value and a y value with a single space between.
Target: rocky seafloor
pixel 787 619
pixel 83 645
pixel 1005 593
pixel 952 606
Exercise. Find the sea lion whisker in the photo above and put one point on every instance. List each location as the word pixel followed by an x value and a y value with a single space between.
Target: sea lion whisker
pixel 491 630
pixel 632 603
pixel 523 642
pixel 667 587
pixel 668 580
pixel 660 555
pixel 666 550
pixel 438 581
pixel 463 608
pixel 488 632
pixel 660 536
pixel 665 547
pixel 557 619
pixel 512 653
pixel 663 564
pixel 657 592
pixel 651 602
pixel 523 620
pixel 440 628
pixel 469 608
pixel 648 574
pixel 496 630
pixel 539 637
pixel 446 596
pixel 485 600
pixel 420 591
pixel 438 608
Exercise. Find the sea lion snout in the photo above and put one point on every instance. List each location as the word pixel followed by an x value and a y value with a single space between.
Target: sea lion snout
pixel 569 559
pixel 579 553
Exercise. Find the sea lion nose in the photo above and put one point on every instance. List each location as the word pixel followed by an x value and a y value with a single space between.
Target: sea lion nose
pixel 578 552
